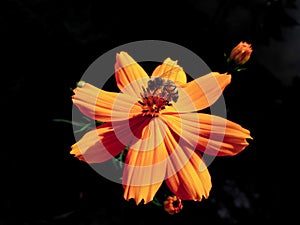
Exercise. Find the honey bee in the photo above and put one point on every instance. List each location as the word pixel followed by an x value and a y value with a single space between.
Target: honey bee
pixel 172 90
pixel 163 87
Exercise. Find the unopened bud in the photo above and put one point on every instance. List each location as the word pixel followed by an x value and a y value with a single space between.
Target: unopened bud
pixel 241 53
pixel 173 204
pixel 80 84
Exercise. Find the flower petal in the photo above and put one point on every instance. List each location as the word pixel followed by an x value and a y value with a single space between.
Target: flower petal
pixel 209 134
pixel 201 92
pixel 145 166
pixel 103 105
pixel 221 137
pixel 130 76
pixel 98 145
pixel 171 71
pixel 187 174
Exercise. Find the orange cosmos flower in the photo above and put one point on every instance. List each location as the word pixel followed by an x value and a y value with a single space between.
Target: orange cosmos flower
pixel 157 117
pixel 173 204
pixel 241 53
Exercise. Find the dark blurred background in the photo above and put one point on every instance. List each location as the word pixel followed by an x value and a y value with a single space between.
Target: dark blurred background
pixel 46 46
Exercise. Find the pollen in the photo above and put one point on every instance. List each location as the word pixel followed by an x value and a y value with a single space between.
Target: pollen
pixel 152 105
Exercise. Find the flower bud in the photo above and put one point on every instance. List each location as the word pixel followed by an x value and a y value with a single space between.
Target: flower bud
pixel 173 205
pixel 241 53
pixel 80 84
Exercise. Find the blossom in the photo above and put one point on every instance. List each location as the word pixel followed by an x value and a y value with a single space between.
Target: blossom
pixel 173 204
pixel 158 119
pixel 241 53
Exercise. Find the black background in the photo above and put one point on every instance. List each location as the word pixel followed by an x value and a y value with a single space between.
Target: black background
pixel 46 47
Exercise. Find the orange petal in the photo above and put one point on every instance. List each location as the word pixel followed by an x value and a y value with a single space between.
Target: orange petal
pixel 133 130
pixel 103 105
pixel 221 137
pixel 130 76
pixel 187 175
pixel 98 145
pixel 145 166
pixel 201 92
pixel 108 139
pixel 171 71
pixel 210 134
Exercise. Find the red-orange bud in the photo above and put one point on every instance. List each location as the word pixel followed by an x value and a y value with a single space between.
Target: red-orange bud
pixel 241 53
pixel 173 205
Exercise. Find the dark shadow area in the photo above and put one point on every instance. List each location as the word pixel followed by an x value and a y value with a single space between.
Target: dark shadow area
pixel 47 46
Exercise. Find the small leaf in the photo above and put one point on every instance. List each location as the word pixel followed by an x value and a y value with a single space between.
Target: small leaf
pixel 98 123
pixel 70 122
pixel 156 202
pixel 85 127
pixel 240 69
pixel 86 118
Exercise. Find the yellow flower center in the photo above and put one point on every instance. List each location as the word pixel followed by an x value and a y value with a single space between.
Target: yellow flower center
pixel 157 95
